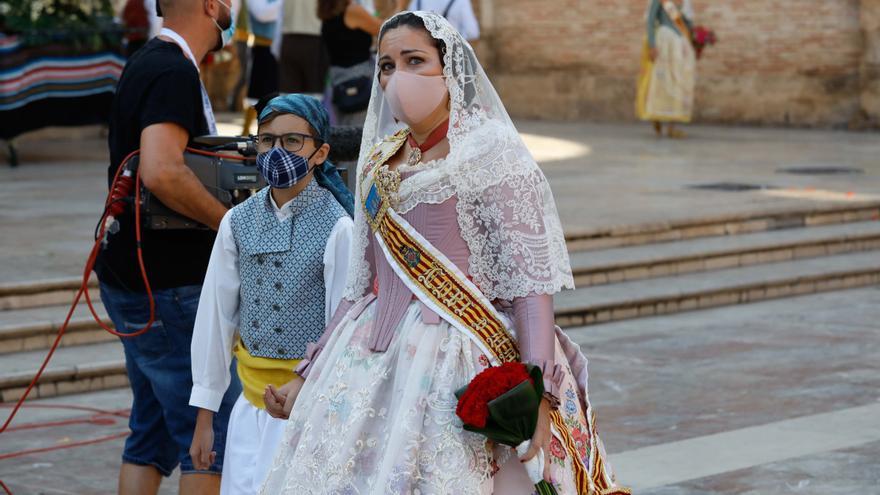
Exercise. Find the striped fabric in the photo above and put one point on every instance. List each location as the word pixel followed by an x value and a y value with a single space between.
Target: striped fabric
pixel 8 44
pixel 59 77
pixel 36 78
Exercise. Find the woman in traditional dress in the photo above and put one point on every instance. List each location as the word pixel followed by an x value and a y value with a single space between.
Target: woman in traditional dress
pixel 665 91
pixel 458 250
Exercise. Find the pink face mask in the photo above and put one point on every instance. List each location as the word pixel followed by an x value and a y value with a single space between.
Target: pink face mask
pixel 412 97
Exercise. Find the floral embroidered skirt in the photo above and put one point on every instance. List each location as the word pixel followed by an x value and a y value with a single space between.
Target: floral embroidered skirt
pixel 384 422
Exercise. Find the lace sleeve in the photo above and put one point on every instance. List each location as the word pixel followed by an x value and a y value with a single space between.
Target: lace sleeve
pixel 513 232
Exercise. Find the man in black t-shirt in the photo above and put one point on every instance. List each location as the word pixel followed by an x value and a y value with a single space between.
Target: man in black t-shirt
pixel 160 105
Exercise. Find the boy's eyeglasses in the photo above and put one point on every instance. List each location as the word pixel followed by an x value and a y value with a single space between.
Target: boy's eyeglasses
pixel 291 141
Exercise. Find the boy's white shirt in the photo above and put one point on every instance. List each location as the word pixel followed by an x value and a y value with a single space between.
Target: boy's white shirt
pixel 217 316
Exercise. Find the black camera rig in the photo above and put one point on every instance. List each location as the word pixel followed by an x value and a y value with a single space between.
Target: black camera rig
pixel 229 172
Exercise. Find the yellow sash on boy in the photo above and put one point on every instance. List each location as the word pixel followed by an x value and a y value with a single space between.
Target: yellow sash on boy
pixel 257 372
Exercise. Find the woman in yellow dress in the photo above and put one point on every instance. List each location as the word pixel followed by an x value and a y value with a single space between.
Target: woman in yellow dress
pixel 665 91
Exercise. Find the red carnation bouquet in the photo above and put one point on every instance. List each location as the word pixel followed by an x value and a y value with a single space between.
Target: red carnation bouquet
pixel 502 403
pixel 703 37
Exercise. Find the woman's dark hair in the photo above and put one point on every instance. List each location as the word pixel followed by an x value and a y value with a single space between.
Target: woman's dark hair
pixel 413 21
pixel 328 9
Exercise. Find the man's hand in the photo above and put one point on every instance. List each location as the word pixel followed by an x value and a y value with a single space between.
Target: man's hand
pixel 652 54
pixel 541 438
pixel 165 174
pixel 202 448
pixel 279 402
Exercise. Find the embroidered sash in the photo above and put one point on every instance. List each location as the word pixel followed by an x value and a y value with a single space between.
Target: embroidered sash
pixel 432 277
pixel 675 14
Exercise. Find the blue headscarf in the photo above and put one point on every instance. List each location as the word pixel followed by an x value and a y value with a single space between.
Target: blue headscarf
pixel 310 109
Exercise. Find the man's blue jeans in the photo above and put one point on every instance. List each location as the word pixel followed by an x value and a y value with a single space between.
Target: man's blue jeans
pixel 158 362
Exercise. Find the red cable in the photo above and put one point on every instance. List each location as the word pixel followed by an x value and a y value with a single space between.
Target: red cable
pixel 99 416
pixel 119 188
pixel 71 445
pixel 95 420
pixel 83 289
pixel 237 158
pixel 137 214
pixel 66 407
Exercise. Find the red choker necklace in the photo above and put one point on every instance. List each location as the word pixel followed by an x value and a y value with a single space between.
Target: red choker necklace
pixel 435 137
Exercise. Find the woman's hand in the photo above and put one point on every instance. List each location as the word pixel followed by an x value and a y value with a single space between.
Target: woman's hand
pixel 541 438
pixel 279 402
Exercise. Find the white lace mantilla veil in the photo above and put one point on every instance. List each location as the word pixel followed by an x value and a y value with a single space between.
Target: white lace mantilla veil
pixel 506 210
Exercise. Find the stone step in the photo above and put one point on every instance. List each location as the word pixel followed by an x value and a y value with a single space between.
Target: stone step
pixel 610 266
pixel 36 328
pixel 59 291
pixel 78 369
pixel 693 291
pixel 725 225
pixel 42 293
pixel 99 366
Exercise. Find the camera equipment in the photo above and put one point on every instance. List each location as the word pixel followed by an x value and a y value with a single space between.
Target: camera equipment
pixel 226 166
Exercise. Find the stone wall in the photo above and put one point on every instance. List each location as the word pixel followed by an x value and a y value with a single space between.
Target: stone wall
pixel 789 62
pixel 870 68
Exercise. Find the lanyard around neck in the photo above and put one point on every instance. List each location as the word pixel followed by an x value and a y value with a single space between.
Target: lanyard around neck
pixel 179 41
pixel 206 101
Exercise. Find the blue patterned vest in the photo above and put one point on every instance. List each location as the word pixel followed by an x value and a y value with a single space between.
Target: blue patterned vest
pixel 282 270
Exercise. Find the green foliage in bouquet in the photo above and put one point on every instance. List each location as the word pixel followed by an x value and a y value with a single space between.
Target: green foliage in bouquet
pixel 503 403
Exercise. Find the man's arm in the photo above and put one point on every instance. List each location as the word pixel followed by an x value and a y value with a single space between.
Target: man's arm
pixel 164 173
pixel 357 17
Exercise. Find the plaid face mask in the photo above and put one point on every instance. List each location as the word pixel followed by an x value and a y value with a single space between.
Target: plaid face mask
pixel 282 168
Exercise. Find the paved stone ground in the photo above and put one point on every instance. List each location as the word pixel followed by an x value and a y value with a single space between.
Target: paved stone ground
pixel 776 397
pixel 727 381
pixel 770 398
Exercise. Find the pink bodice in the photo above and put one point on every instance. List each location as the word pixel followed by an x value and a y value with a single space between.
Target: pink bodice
pixel 438 223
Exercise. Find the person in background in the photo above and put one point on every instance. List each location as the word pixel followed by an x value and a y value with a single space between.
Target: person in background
pixel 348 29
pixel 243 54
pixel 303 56
pixel 263 17
pixel 136 20
pixel 665 91
pixel 459 13
pixel 159 107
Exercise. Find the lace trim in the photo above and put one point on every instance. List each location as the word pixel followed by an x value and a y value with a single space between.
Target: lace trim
pixel 506 210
